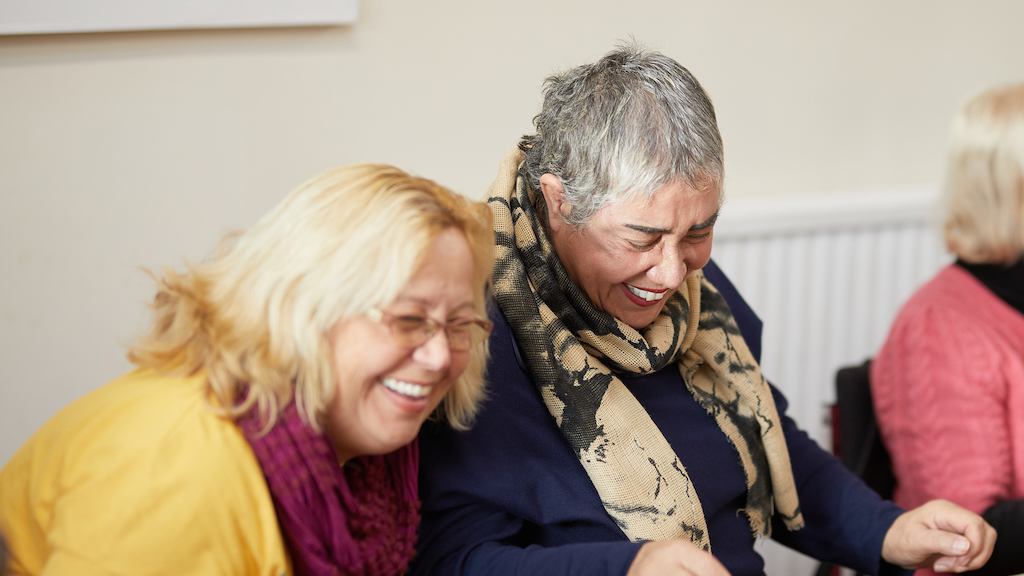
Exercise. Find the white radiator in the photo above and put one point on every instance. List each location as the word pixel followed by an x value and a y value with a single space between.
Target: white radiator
pixel 826 275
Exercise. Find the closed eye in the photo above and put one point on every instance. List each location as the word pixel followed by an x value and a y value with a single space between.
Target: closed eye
pixel 410 322
pixel 466 326
pixel 643 246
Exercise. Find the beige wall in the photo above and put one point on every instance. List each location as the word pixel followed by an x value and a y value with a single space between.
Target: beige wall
pixel 119 151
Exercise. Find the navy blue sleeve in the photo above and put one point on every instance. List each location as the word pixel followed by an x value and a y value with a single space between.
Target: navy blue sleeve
pixel 580 559
pixel 467 529
pixel 476 541
pixel 845 521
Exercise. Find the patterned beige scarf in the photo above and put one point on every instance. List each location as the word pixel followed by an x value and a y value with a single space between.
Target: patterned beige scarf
pixel 573 352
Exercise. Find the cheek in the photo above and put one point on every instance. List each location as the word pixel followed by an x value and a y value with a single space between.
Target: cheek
pixel 356 364
pixel 615 267
pixel 700 257
pixel 462 362
pixel 459 364
pixel 631 269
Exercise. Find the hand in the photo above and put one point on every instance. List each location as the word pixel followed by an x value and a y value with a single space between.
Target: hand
pixel 675 557
pixel 939 535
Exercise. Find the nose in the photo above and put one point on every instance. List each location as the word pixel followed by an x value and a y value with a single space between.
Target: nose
pixel 670 270
pixel 434 354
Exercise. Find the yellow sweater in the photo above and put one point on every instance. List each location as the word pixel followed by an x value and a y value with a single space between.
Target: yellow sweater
pixel 139 477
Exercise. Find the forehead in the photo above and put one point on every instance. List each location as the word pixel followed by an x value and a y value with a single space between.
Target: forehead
pixel 676 204
pixel 446 275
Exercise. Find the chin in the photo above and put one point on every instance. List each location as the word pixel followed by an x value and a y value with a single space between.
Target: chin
pixel 389 445
pixel 641 319
pixel 639 326
pixel 401 434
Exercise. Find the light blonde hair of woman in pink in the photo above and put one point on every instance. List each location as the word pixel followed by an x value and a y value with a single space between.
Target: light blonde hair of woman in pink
pixel 985 178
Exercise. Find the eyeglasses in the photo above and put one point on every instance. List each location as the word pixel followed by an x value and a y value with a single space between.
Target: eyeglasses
pixel 414 330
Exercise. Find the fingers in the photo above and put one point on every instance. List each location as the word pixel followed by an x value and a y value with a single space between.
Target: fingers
pixel 941 542
pixel 968 530
pixel 675 557
pixel 983 539
pixel 940 535
pixel 703 564
pixel 945 515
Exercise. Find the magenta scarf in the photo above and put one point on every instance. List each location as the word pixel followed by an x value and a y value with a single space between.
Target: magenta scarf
pixel 357 519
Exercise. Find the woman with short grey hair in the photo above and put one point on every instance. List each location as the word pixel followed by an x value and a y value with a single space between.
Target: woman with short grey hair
pixel 628 428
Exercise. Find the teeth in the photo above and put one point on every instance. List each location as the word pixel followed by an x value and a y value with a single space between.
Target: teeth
pixel 406 388
pixel 648 296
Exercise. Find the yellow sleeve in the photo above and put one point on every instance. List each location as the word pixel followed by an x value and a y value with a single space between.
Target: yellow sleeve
pixel 142 478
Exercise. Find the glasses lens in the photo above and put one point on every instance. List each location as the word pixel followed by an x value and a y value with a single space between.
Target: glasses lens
pixel 463 335
pixel 412 331
pixel 460 336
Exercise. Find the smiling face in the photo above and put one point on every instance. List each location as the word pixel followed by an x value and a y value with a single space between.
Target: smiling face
pixel 631 256
pixel 386 390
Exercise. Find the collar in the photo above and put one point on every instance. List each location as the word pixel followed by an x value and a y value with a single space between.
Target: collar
pixel 1006 282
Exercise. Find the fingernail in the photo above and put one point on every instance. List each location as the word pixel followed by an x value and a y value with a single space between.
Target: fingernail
pixel 943 566
pixel 960 545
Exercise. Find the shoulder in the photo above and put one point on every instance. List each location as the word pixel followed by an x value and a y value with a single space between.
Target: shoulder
pixel 946 297
pixel 941 339
pixel 952 291
pixel 143 424
pixel 148 460
pixel 952 311
pixel 142 413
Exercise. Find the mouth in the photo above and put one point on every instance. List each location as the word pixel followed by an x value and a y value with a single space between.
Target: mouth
pixel 643 297
pixel 406 389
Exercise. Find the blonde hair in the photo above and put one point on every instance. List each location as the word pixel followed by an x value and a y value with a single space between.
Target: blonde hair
pixel 985 178
pixel 255 316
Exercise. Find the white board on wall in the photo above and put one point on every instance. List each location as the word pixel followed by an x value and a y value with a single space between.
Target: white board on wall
pixel 60 16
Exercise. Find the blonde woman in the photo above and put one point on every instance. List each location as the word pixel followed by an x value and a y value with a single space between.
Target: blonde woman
pixel 270 426
pixel 949 381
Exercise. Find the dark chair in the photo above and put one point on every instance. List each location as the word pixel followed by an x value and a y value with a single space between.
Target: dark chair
pixel 856 440
pixel 860 444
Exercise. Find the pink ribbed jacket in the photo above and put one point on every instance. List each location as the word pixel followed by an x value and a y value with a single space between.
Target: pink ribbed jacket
pixel 949 394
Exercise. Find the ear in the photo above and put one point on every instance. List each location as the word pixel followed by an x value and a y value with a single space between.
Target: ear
pixel 554 198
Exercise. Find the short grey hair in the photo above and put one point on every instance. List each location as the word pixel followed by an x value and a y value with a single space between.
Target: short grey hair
pixel 620 128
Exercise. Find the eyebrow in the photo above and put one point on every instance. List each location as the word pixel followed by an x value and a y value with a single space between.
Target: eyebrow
pixel 705 224
pixel 655 230
pixel 426 304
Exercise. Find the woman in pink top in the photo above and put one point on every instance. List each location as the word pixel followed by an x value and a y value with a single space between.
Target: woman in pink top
pixel 949 382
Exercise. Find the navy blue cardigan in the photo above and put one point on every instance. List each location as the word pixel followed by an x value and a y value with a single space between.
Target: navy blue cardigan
pixel 510 497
